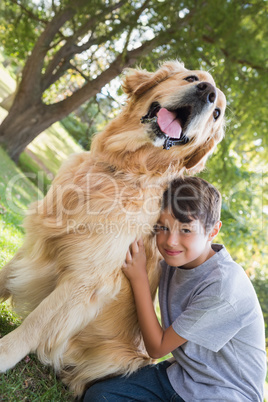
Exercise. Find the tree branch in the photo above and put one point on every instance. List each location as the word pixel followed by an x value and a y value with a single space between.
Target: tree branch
pixel 132 26
pixel 244 62
pixel 93 87
pixel 73 67
pixel 31 77
pixel 29 12
pixel 69 49
pixel 102 16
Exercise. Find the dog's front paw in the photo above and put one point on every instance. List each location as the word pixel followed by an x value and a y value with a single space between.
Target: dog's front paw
pixel 11 352
pixel 4 361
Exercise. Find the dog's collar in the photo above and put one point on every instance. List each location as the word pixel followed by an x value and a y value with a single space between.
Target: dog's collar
pixel 169 142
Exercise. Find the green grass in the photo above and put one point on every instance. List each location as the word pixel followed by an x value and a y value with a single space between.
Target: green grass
pixel 29 380
pixel 16 193
pixel 44 156
pixel 52 146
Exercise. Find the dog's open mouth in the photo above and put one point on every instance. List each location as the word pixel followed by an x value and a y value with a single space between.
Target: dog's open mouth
pixel 170 124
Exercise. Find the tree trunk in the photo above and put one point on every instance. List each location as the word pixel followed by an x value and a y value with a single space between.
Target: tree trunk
pixel 25 122
pixel 8 101
pixel 19 129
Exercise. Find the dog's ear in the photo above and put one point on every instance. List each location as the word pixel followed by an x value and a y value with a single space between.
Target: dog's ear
pixel 197 161
pixel 135 79
pixel 198 157
pixel 138 81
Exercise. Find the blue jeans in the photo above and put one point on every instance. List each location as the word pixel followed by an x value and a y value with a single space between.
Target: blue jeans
pixel 149 383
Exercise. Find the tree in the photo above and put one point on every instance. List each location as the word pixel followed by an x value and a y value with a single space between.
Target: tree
pixel 94 41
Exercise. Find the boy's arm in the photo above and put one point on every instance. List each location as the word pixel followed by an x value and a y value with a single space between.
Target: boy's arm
pixel 158 342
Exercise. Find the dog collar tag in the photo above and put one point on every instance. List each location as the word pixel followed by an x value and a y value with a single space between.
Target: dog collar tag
pixel 169 142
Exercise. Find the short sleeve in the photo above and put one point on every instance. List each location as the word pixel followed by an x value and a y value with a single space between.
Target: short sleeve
pixel 211 322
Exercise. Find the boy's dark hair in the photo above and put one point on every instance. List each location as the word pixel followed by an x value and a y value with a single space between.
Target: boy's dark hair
pixel 192 198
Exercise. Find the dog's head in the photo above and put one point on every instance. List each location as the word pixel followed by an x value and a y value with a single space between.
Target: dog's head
pixel 174 111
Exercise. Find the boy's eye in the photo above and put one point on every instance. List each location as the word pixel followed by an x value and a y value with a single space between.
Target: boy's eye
pixel 160 228
pixel 184 230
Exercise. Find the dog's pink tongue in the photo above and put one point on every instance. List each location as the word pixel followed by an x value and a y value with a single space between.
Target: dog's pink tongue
pixel 168 123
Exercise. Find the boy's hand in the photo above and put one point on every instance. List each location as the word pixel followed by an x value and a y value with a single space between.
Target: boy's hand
pixel 135 265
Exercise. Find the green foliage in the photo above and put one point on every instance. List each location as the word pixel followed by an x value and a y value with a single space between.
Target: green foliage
pixel 8 319
pixel 260 283
pixel 242 180
pixel 82 124
pixel 78 130
pixel 18 31
pixel 90 118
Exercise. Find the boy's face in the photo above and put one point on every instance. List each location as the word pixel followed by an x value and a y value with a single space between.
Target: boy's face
pixel 184 244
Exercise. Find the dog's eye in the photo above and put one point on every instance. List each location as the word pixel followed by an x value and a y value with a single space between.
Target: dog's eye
pixel 216 114
pixel 191 78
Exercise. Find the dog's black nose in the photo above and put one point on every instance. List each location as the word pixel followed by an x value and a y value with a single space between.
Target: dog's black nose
pixel 206 91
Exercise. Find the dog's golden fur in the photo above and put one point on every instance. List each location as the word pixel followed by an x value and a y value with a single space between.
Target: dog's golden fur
pixel 66 279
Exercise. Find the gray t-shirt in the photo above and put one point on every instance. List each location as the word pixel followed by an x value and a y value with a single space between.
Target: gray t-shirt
pixel 214 306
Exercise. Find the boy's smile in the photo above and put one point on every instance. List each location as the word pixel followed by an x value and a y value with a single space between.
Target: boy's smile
pixel 172 252
pixel 184 245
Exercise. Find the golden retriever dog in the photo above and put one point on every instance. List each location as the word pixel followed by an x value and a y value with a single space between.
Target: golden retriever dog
pixel 66 280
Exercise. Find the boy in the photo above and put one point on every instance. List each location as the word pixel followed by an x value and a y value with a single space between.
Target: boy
pixel 212 321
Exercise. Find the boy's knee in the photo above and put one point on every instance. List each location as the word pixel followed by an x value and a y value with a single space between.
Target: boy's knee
pixel 95 393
